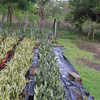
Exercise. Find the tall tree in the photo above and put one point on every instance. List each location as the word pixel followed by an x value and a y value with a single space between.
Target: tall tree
pixel 41 4
pixel 84 8
pixel 9 3
pixel 22 4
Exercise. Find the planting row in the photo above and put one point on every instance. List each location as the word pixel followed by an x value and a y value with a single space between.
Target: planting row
pixel 43 76
pixel 48 85
pixel 10 53
pixel 28 91
pixel 6 44
pixel 12 79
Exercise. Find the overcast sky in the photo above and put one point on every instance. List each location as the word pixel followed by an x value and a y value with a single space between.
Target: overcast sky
pixel 62 0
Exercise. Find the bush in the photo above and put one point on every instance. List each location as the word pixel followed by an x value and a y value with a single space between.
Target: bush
pixel 87 26
pixel 91 28
pixel 69 17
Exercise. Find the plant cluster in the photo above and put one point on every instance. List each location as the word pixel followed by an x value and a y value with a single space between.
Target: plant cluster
pixel 48 85
pixel 91 28
pixel 12 79
pixel 6 43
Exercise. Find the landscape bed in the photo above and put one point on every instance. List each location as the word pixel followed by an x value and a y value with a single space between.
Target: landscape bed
pixel 89 75
pixel 12 79
pixel 6 44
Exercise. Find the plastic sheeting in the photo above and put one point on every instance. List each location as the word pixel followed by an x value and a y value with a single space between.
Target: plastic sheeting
pixel 28 91
pixel 73 90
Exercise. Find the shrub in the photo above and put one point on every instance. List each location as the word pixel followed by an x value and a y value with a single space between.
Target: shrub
pixel 91 28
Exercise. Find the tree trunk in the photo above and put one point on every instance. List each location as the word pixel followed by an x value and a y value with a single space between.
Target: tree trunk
pixel 2 22
pixel 88 35
pixel 9 18
pixel 25 21
pixel 41 14
pixel 54 28
pixel 93 34
pixel 3 19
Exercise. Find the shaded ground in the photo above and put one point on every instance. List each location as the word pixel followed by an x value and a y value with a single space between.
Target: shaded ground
pixel 89 63
pixel 91 47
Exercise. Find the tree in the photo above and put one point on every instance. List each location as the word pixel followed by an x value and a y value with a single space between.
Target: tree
pixel 86 14
pixel 41 4
pixel 22 4
pixel 84 9
pixel 10 10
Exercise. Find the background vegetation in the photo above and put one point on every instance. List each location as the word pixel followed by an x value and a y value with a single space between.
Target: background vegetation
pixel 78 23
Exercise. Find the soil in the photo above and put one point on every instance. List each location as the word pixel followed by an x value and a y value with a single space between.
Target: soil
pixel 89 64
pixel 93 48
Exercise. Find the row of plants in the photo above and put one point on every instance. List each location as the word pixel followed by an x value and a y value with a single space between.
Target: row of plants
pixel 9 39
pixel 6 43
pixel 1 39
pixel 12 79
pixel 48 85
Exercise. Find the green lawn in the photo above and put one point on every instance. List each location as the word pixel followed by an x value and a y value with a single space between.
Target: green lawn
pixel 90 77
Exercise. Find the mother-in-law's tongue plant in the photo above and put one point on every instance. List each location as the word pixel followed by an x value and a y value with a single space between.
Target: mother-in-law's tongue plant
pixel 48 85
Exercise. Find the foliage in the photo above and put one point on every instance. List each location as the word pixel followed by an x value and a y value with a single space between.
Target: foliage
pixel 21 3
pixel 6 44
pixel 87 26
pixel 55 10
pixel 69 17
pixel 90 27
pixel 13 4
pixel 85 8
pixel 90 77
pixel 48 85
pixel 86 15
pixel 81 5
pixel 3 9
pixel 12 79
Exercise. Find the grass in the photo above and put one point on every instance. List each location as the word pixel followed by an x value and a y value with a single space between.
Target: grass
pixel 20 63
pixel 91 77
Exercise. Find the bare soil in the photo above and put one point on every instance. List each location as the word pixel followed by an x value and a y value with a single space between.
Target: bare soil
pixel 93 48
pixel 89 64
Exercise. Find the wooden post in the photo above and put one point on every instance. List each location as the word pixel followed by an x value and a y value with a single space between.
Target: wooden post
pixel 54 28
pixel 41 14
pixel 10 11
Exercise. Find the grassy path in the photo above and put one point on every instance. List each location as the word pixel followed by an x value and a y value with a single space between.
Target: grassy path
pixel 91 77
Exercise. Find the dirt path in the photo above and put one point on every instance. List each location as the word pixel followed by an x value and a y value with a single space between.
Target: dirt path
pixel 90 64
pixel 93 48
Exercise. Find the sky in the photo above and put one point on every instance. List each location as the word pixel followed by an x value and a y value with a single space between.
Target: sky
pixel 62 0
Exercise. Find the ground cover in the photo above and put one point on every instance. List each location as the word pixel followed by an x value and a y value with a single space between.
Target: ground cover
pixel 89 75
